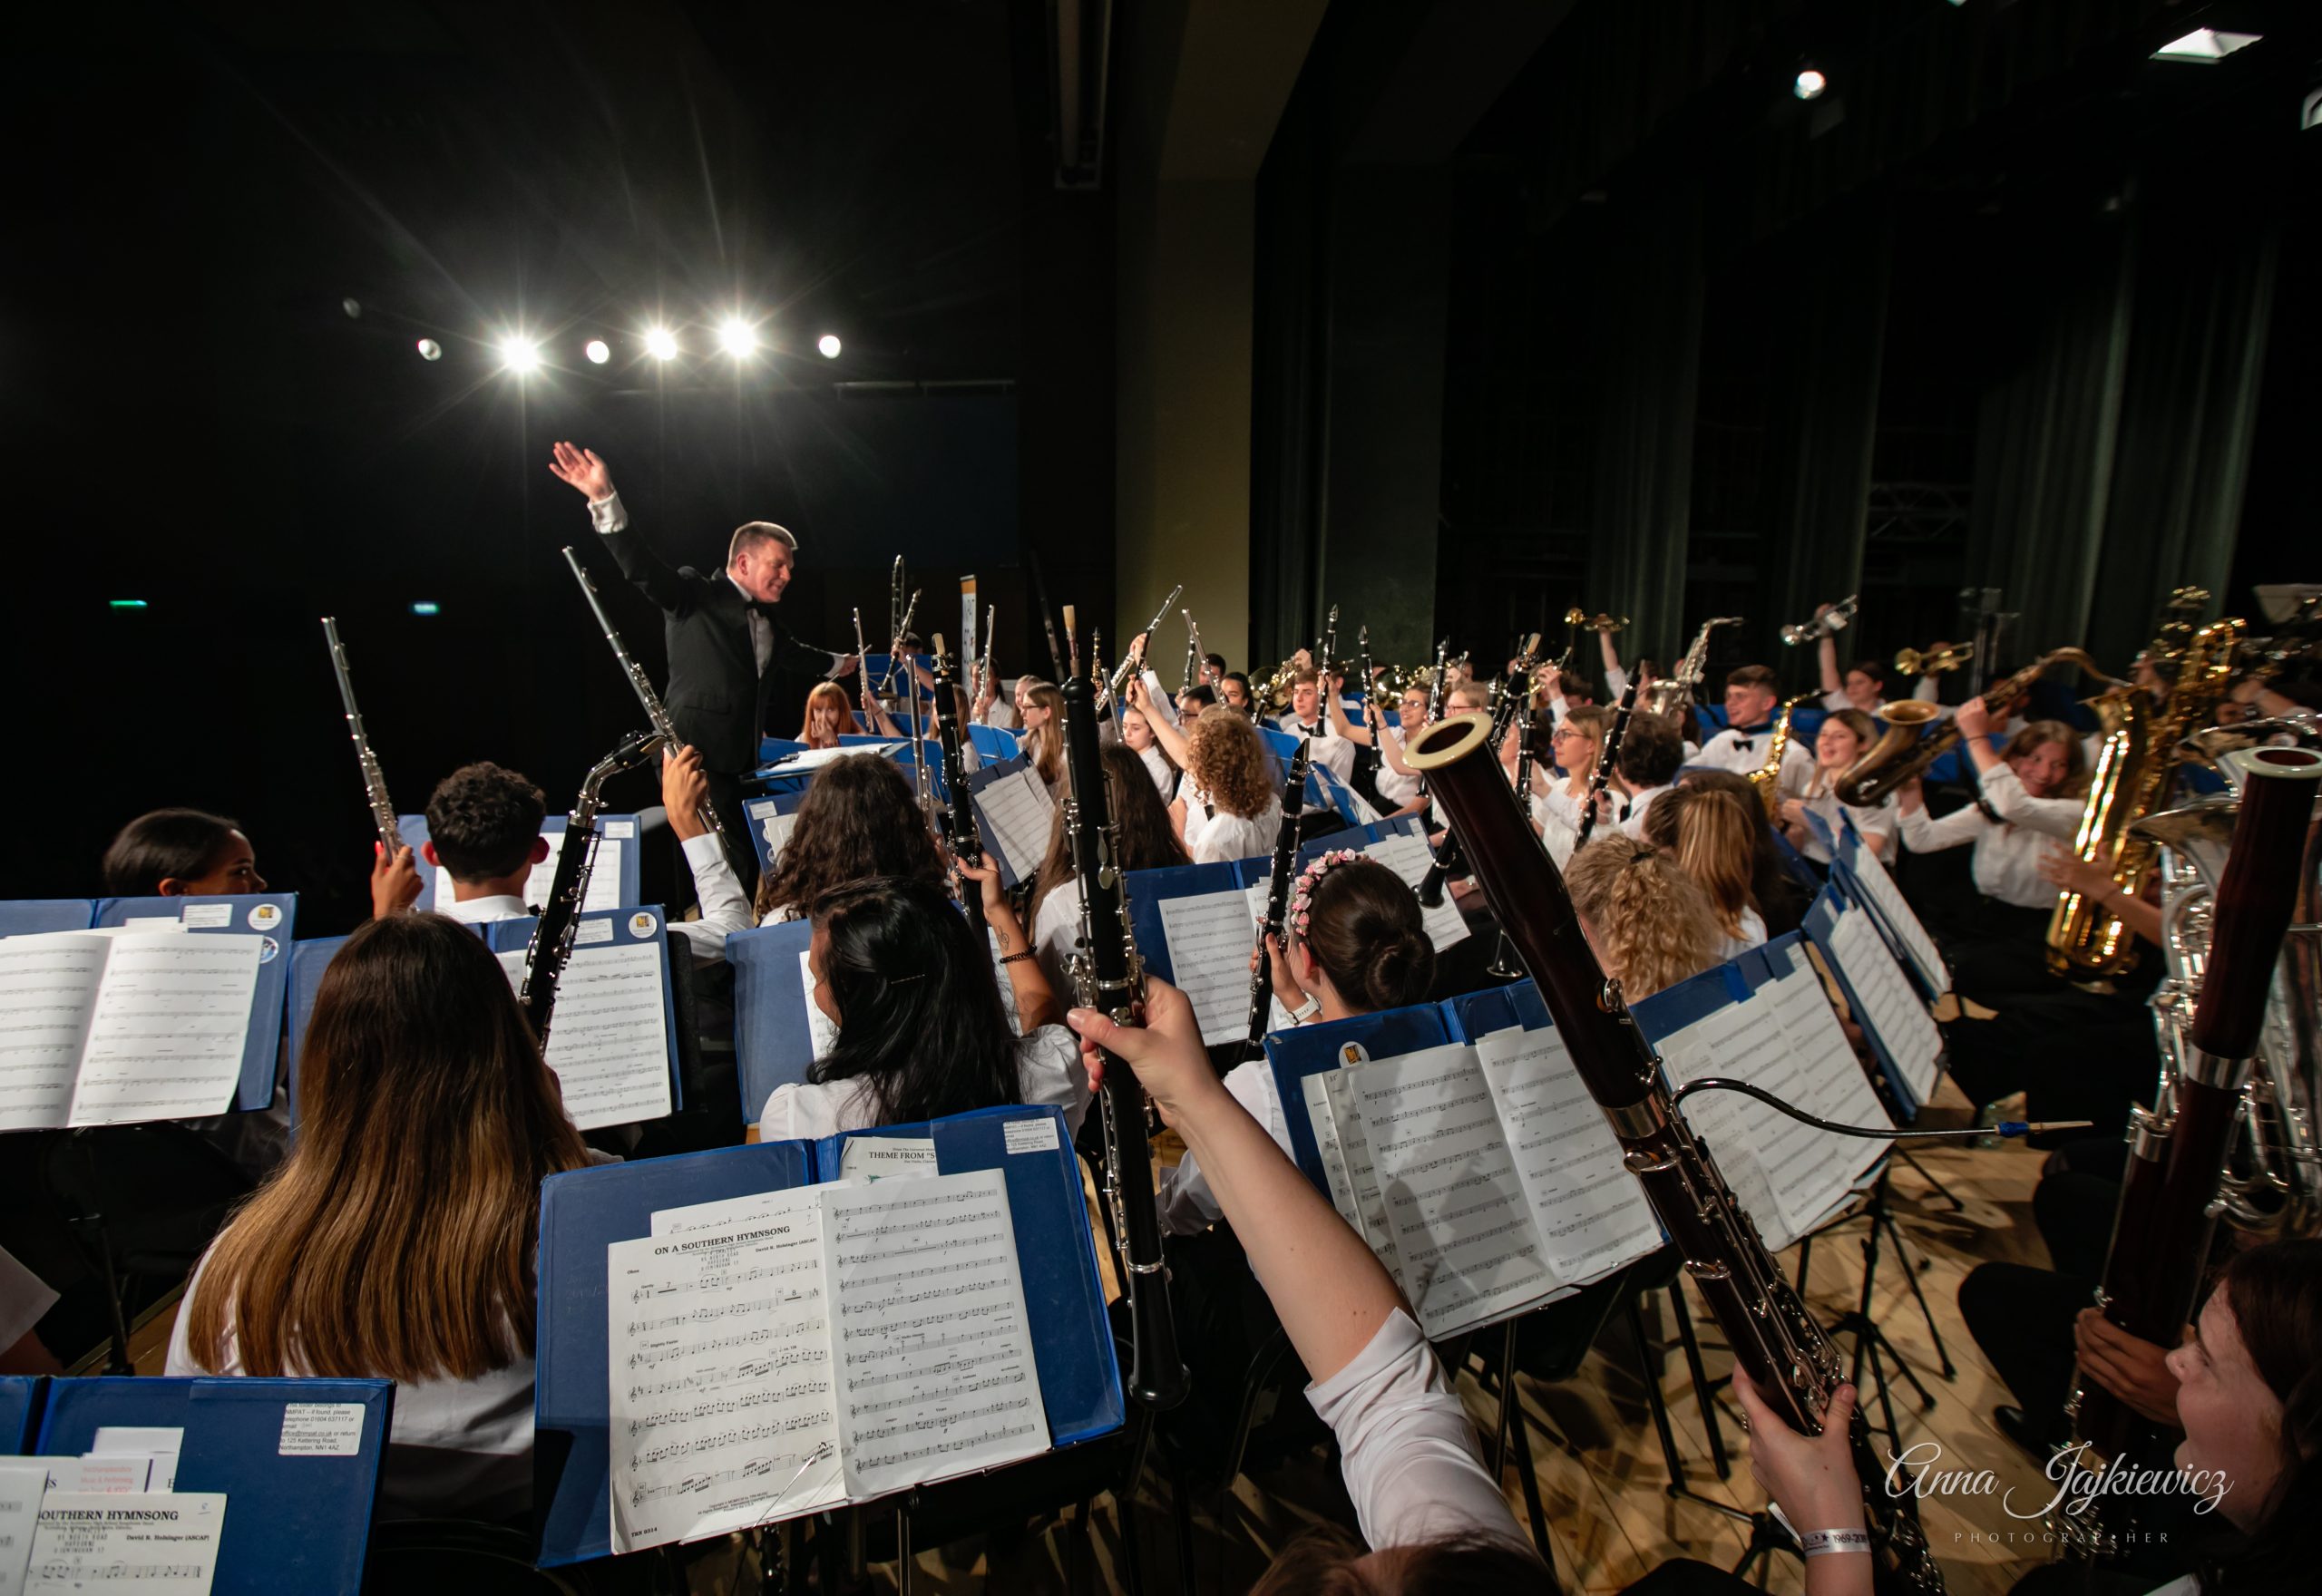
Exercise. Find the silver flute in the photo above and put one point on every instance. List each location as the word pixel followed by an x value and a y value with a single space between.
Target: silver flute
pixel 374 784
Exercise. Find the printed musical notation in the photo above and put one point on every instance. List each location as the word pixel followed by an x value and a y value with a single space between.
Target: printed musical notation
pixel 1210 937
pixel 609 1045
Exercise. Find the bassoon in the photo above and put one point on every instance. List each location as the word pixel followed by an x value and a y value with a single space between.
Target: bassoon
pixel 1787 1355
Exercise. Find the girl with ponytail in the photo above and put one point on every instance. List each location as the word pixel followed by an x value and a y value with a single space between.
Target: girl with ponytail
pixel 1650 923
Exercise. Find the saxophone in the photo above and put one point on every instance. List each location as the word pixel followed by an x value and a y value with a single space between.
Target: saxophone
pixel 553 934
pixel 1767 777
pixel 1674 694
pixel 1917 733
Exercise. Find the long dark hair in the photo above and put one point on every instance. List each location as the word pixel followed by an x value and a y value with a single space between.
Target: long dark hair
pixel 2275 1295
pixel 1140 820
pixel 1780 898
pixel 1363 927
pixel 920 1019
pixel 167 843
pixel 859 819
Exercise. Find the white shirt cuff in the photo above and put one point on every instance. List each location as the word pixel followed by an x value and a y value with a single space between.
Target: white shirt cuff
pixel 609 514
pixel 837 669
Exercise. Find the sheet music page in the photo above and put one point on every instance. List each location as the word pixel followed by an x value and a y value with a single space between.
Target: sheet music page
pixel 1209 935
pixel 821 1035
pixel 1407 857
pixel 1457 1210
pixel 48 989
pixel 1591 1214
pixel 724 1214
pixel 1015 812
pixel 157 1544
pixel 1891 1008
pixel 812 759
pixel 166 1036
pixel 608 1037
pixel 1338 1131
pixel 1895 912
pixel 1832 1083
pixel 1715 1117
pixel 723 1414
pixel 775 827
pixel 932 1346
pixel 1255 897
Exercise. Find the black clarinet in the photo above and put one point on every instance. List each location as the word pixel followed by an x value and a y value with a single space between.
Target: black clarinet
pixel 960 828
pixel 1285 853
pixel 1451 860
pixel 1604 757
pixel 1108 977
pixel 551 945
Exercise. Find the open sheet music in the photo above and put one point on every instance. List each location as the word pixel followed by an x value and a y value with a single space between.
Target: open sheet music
pixel 1014 812
pixel 99 1028
pixel 604 880
pixel 1407 857
pixel 787 1351
pixel 1484 1177
pixel 1210 936
pixel 1892 911
pixel 610 1042
pixel 1890 1007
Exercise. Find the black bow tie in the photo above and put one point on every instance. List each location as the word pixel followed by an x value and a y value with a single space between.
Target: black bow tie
pixel 1741 745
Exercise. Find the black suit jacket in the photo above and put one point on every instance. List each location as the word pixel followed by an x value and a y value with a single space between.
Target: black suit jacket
pixel 717 698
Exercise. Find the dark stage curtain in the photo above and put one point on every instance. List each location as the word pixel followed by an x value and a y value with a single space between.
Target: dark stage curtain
pixel 1290 386
pixel 1651 300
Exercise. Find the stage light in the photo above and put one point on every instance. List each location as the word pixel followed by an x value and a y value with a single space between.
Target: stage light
pixel 598 351
pixel 829 345
pixel 736 337
pixel 662 344
pixel 426 606
pixel 429 349
pixel 1810 84
pixel 124 604
pixel 353 306
pixel 520 355
pixel 2205 46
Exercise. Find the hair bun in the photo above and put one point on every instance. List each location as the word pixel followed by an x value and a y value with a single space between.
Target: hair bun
pixel 1401 972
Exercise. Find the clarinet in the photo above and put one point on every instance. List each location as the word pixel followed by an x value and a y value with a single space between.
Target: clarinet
pixel 1430 885
pixel 2178 1149
pixel 1107 976
pixel 374 784
pixel 1450 861
pixel 1775 1339
pixel 1285 853
pixel 1048 625
pixel 960 831
pixel 655 713
pixel 551 945
pixel 1193 653
pixel 1602 777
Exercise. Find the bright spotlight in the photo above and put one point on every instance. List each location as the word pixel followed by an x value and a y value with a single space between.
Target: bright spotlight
pixel 598 351
pixel 662 344
pixel 520 355
pixel 736 337
pixel 828 344
pixel 429 349
pixel 2205 46
pixel 1810 84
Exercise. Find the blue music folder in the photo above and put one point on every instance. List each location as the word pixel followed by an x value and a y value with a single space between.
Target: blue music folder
pixel 623 876
pixel 608 927
pixel 774 1040
pixel 768 817
pixel 1147 889
pixel 22 1397
pixel 1310 1049
pixel 25 916
pixel 992 744
pixel 298 1494
pixel 273 917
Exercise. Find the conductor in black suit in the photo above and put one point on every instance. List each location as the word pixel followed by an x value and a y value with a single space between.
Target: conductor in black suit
pixel 724 641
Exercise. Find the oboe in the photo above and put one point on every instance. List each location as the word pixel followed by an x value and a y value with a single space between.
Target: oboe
pixel 1602 777
pixel 551 945
pixel 1107 976
pixel 657 715
pixel 374 784
pixel 960 829
pixel 1285 853
pixel 1775 1339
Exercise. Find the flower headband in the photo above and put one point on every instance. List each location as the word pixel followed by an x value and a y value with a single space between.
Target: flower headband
pixel 1302 894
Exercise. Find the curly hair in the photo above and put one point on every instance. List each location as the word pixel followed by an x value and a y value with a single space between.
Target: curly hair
pixel 1649 921
pixel 1227 760
pixel 483 821
pixel 1708 831
pixel 821 692
pixel 859 819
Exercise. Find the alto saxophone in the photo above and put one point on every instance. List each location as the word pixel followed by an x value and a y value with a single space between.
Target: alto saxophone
pixel 1767 777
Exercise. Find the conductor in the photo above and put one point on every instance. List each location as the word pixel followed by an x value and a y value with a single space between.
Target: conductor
pixel 723 639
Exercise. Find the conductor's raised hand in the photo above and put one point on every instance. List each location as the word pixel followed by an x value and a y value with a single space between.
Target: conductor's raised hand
pixel 1165 1052
pixel 582 469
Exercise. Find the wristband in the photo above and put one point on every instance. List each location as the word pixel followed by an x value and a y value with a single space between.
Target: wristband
pixel 1833 1542
pixel 1306 1010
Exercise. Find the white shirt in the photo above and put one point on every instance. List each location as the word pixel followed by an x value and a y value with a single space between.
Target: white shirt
pixel 1745 752
pixel 1047 1072
pixel 1753 934
pixel 608 516
pixel 456 1448
pixel 1407 1447
pixel 1395 787
pixel 1055 933
pixel 2054 817
pixel 1157 765
pixel 1186 1204
pixel 1875 823
pixel 2007 857
pixel 724 909
pixel 1633 818
pixel 1223 838
pixel 1330 751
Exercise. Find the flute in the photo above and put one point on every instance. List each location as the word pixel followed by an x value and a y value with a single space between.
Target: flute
pixel 374 783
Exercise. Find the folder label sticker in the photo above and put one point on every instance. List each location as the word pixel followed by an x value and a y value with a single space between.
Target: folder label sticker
pixel 1029 1135
pixel 321 1429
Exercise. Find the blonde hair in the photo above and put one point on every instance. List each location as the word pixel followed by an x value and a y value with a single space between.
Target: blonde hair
pixel 1711 834
pixel 1650 922
pixel 816 694
pixel 1227 760
pixel 1043 745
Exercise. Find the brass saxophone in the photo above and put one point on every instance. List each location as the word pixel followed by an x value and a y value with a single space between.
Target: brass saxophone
pixel 1673 694
pixel 1917 733
pixel 1767 777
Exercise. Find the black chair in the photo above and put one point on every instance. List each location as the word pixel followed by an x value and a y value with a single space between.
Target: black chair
pixel 141 1203
pixel 457 1554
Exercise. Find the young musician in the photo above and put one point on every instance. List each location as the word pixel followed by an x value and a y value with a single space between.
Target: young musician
pixel 1574 747
pixel 1398 787
pixel 1233 688
pixel 1146 841
pixel 860 818
pixel 828 716
pixel 1136 734
pixel 396 1241
pixel 996 704
pixel 1306 718
pixel 1750 698
pixel 1779 896
pixel 1194 700
pixel 1650 923
pixel 2041 761
pixel 1862 687
pixel 2054 810
pixel 1039 706
pixel 1433 1518
pixel 1227 807
pixel 181 853
pixel 1650 755
pixel 1460 698
pixel 921 1030
pixel 1846 735
pixel 1709 834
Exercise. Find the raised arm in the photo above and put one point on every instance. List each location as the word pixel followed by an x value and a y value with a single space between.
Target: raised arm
pixel 1347 728
pixel 582 470
pixel 1165 731
pixel 1035 1004
pixel 1827 651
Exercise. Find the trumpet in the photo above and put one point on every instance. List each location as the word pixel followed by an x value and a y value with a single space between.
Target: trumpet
pixel 1830 622
pixel 1599 622
pixel 1912 661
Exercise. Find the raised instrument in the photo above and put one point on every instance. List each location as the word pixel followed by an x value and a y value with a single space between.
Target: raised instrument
pixel 1041 593
pixel 2177 1148
pixel 1133 660
pixel 1328 647
pixel 1606 756
pixel 1828 624
pixel 1434 682
pixel 657 713
pixel 2135 772
pixel 1767 777
pixel 1915 662
pixel 1673 694
pixel 1108 976
pixel 1286 855
pixel 862 661
pixel 982 682
pixel 1193 655
pixel 551 948
pixel 1919 732
pixel 1450 861
pixel 959 831
pixel 898 622
pixel 374 784
pixel 1776 1340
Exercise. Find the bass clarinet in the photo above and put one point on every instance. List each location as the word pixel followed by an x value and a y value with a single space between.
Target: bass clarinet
pixel 374 784
pixel 1285 853
pixel 1108 977
pixel 551 945
pixel 1787 1355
